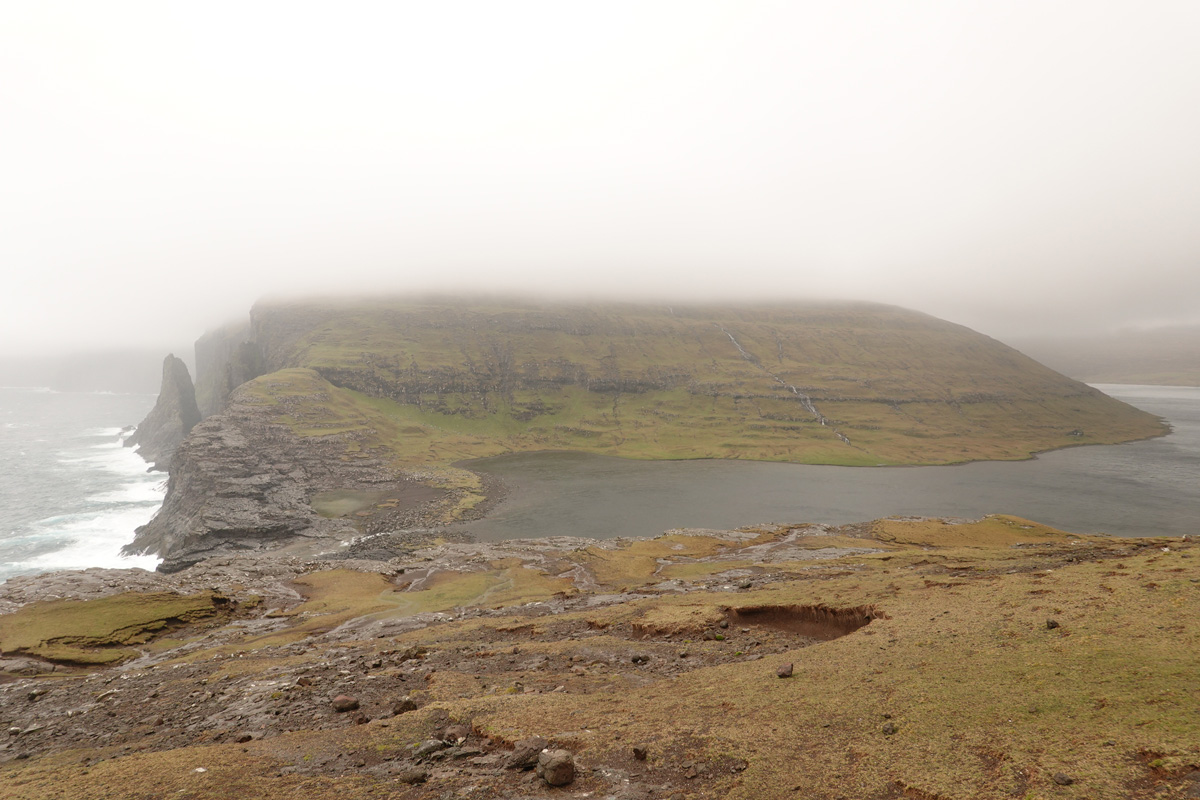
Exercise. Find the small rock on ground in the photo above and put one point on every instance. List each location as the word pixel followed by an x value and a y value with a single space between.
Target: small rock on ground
pixel 525 753
pixel 556 767
pixel 344 702
pixel 413 776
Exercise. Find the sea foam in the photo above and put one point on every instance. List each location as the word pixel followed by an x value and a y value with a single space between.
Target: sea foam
pixel 76 495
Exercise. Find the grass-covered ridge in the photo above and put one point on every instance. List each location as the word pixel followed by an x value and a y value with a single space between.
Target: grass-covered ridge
pixel 440 381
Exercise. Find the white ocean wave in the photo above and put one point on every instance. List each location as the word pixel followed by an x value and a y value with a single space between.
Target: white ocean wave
pixel 141 492
pixel 85 540
pixel 74 495
pixel 109 456
pixel 112 433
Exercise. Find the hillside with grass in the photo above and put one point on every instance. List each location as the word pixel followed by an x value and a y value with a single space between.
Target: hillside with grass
pixel 331 420
pixel 821 383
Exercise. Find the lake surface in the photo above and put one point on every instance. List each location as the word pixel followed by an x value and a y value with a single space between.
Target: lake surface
pixel 1149 488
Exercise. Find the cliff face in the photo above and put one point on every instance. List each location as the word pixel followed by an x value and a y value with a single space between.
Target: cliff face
pixel 226 358
pixel 172 418
pixel 853 384
pixel 243 482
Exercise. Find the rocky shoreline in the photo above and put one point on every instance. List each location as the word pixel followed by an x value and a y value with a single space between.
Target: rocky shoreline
pixel 242 481
pixel 327 421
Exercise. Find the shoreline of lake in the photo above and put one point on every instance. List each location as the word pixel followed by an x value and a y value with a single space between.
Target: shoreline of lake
pixel 568 493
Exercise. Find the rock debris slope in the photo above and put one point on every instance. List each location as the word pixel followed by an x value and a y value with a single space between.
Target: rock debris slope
pixel 902 658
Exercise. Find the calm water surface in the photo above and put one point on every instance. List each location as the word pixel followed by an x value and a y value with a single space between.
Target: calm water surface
pixel 1149 488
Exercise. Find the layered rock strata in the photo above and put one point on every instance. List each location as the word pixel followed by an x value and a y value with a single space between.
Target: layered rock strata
pixel 244 482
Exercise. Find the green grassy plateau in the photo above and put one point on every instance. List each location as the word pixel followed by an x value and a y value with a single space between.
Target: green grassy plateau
pixel 431 382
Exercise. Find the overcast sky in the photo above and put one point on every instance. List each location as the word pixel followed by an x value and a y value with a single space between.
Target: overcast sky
pixel 1019 167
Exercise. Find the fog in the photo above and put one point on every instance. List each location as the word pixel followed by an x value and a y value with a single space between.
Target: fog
pixel 1020 167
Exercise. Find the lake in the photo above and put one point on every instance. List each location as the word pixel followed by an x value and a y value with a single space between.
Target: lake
pixel 1149 488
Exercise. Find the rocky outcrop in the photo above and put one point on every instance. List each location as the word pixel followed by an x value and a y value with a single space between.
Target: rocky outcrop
pixel 172 418
pixel 243 482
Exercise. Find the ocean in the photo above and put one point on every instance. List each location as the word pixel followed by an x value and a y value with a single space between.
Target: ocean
pixel 71 494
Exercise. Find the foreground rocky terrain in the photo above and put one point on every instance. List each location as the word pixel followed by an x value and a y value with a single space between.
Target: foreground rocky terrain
pixel 905 658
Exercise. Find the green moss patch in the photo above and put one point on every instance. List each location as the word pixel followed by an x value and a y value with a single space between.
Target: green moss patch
pixel 106 630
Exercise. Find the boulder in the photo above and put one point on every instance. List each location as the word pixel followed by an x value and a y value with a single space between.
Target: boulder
pixel 556 767
pixel 344 702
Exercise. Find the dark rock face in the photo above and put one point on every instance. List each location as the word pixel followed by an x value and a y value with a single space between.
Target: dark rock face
pixel 225 359
pixel 242 482
pixel 172 418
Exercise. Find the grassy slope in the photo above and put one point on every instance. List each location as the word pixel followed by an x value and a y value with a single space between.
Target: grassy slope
pixel 102 631
pixel 988 701
pixel 440 382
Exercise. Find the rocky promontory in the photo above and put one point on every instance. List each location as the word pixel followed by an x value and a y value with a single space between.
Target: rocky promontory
pixel 313 632
pixel 243 481
pixel 174 415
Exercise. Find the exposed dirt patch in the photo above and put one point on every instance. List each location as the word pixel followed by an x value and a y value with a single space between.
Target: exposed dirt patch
pixel 817 622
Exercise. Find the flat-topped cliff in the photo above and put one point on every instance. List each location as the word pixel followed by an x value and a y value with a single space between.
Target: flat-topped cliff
pixel 375 389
